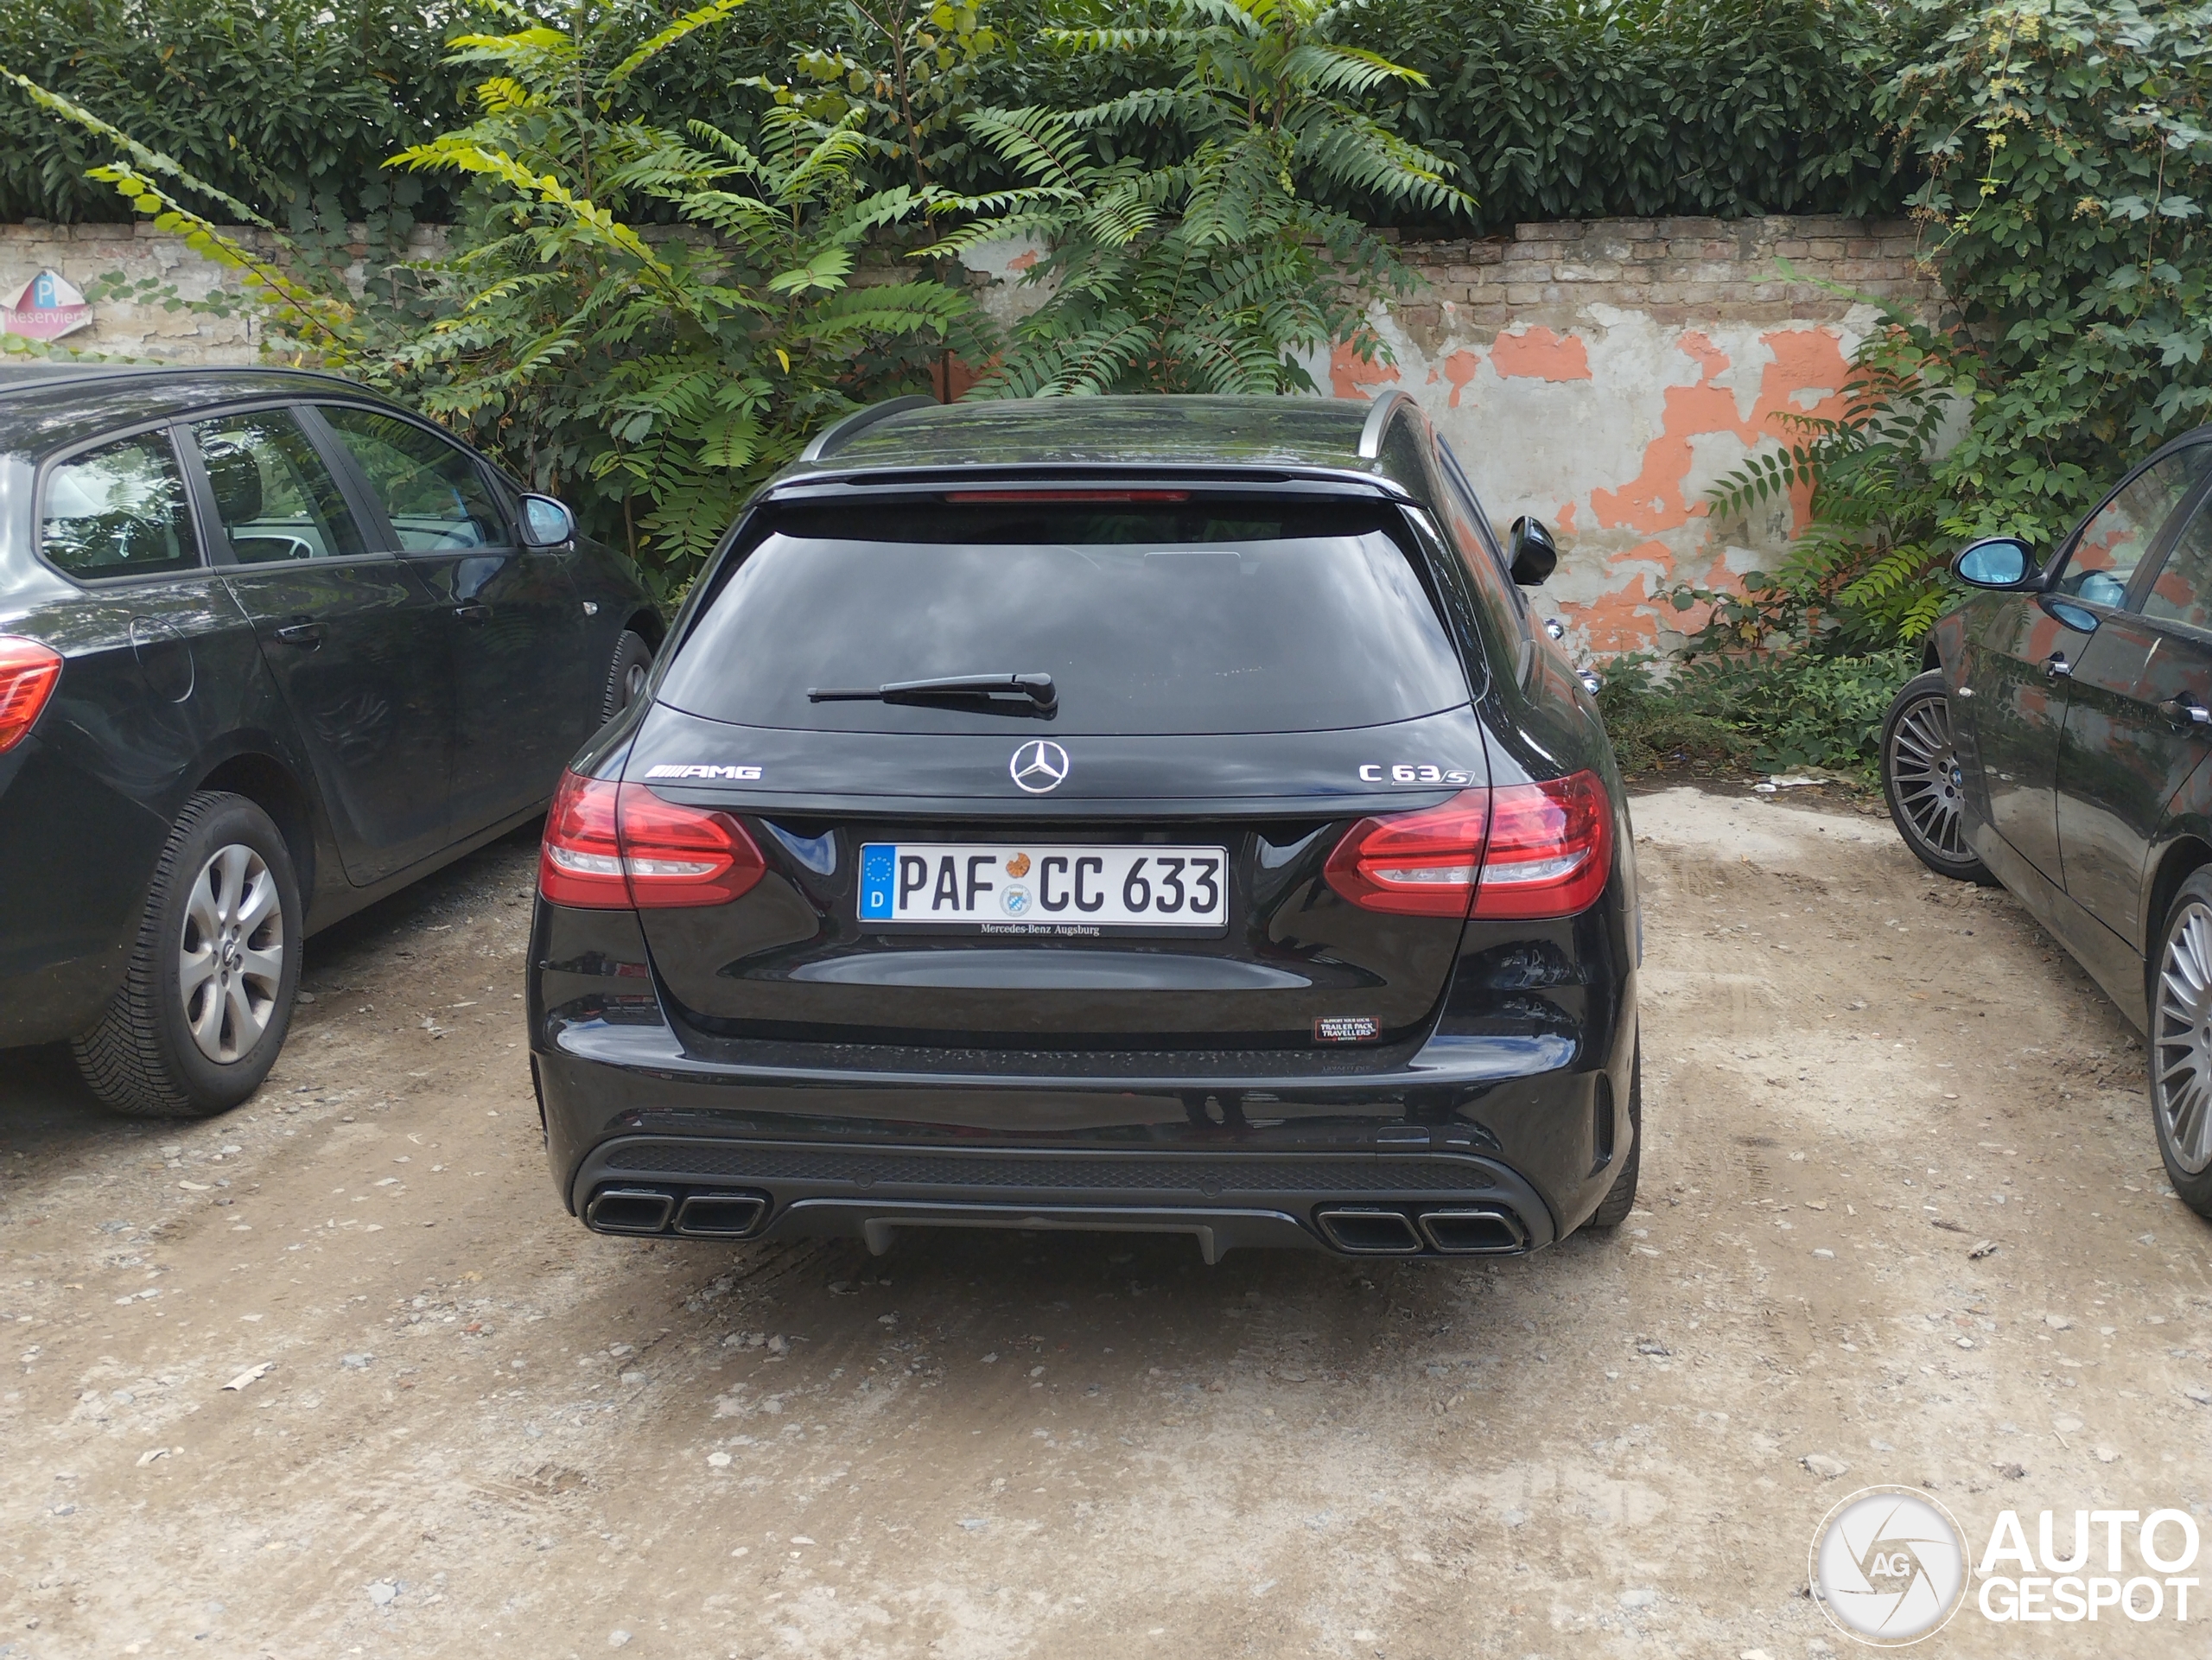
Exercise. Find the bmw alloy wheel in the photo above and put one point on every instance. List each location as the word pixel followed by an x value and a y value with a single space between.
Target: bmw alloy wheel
pixel 231 953
pixel 1924 776
pixel 2181 1072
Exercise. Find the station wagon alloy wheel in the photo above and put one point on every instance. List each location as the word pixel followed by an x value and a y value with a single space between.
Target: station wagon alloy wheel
pixel 231 954
pixel 2181 1070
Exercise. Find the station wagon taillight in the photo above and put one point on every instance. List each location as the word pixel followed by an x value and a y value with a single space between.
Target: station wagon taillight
pixel 615 847
pixel 1518 851
pixel 29 674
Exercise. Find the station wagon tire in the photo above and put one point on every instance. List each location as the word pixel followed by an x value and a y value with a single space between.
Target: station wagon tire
pixel 626 677
pixel 207 997
pixel 1921 782
pixel 2181 1042
pixel 1613 1209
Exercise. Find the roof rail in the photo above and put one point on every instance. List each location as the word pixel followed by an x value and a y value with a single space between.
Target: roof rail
pixel 1378 417
pixel 838 434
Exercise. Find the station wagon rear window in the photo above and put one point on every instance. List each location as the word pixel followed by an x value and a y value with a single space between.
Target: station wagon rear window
pixel 1169 618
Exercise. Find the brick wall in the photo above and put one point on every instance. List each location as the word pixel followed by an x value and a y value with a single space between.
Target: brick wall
pixel 1603 375
pixel 87 253
pixel 1677 271
pixel 1600 375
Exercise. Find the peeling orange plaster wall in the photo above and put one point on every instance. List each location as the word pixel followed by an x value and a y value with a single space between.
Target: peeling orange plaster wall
pixel 1618 607
pixel 1539 355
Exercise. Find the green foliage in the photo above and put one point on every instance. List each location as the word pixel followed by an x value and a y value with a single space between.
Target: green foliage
pixel 1209 270
pixel 655 372
pixel 1555 108
pixel 293 103
pixel 1867 567
pixel 1772 712
pixel 2068 150
pixel 2068 163
pixel 674 370
pixel 1582 109
pixel 910 70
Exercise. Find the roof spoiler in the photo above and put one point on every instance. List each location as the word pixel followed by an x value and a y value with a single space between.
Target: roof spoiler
pixel 838 434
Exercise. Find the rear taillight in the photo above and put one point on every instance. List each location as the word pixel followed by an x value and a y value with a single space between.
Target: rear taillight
pixel 1551 849
pixel 615 846
pixel 1414 864
pixel 1520 850
pixel 29 674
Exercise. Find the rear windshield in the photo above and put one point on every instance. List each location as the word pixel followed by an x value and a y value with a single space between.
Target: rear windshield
pixel 1219 617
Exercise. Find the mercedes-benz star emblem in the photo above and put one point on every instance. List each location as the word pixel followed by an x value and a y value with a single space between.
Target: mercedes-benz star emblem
pixel 1039 766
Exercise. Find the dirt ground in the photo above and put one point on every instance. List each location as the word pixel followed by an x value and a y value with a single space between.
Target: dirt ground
pixel 335 1374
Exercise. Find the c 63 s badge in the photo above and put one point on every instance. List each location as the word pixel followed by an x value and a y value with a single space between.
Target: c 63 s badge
pixel 1413 773
pixel 738 775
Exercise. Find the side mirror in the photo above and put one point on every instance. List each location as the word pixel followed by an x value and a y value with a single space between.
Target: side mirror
pixel 547 523
pixel 1995 562
pixel 1533 556
pixel 2079 619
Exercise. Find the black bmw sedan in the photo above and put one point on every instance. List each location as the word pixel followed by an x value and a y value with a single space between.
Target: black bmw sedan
pixel 1143 814
pixel 270 647
pixel 2057 743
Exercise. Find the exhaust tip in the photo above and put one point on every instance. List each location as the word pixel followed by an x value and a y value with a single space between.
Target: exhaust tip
pixel 1369 1233
pixel 629 1209
pixel 719 1216
pixel 1478 1231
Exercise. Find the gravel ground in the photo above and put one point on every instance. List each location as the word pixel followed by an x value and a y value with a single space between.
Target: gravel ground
pixel 335 1375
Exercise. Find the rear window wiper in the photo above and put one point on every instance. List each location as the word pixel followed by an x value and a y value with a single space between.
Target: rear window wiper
pixel 1035 689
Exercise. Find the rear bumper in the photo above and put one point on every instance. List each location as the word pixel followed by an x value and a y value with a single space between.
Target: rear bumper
pixel 75 858
pixel 1477 1145
pixel 1369 1204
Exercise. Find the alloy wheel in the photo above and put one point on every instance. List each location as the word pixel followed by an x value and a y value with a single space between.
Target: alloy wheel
pixel 231 954
pixel 2181 1077
pixel 1924 777
pixel 634 683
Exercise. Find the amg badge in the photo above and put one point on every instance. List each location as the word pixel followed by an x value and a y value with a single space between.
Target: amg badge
pixel 741 775
pixel 1346 1029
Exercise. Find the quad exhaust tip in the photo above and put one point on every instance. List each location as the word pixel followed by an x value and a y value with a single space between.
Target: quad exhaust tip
pixel 630 1210
pixel 1462 1230
pixel 719 1216
pixel 1475 1231
pixel 694 1215
pixel 1369 1233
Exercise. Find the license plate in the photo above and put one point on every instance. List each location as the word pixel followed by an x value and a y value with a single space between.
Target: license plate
pixel 1051 889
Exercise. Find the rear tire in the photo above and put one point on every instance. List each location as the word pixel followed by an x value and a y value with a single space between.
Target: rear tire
pixel 2181 1043
pixel 1921 780
pixel 626 676
pixel 1613 1209
pixel 207 999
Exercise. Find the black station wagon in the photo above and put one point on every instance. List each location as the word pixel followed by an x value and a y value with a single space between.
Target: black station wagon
pixel 270 647
pixel 1129 814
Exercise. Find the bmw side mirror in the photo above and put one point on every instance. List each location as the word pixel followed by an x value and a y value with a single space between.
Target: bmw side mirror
pixel 1534 555
pixel 2079 618
pixel 1995 562
pixel 547 523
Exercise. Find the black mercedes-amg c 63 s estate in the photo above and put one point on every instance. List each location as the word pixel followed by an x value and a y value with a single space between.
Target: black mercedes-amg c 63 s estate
pixel 270 647
pixel 2057 743
pixel 1130 814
